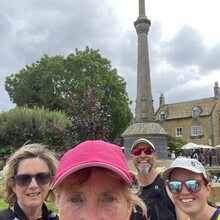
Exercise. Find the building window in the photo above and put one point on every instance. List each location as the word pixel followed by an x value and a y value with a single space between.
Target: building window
pixel 162 116
pixel 196 130
pixel 195 112
pixel 179 132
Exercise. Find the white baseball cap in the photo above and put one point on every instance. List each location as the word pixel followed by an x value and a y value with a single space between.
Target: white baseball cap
pixel 142 140
pixel 185 163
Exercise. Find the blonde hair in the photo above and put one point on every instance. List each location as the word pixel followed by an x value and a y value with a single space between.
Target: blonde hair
pixel 11 168
pixel 130 194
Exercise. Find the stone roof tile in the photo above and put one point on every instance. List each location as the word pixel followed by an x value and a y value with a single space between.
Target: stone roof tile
pixel 184 109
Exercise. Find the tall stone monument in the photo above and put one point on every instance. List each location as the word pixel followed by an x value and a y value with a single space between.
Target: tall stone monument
pixel 144 125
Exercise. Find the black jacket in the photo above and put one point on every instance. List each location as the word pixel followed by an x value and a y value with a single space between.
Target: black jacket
pixel 18 214
pixel 159 204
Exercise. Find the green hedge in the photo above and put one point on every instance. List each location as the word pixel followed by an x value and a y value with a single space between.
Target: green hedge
pixel 21 125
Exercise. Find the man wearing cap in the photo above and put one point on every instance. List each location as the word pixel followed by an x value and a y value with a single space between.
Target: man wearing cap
pixel 152 188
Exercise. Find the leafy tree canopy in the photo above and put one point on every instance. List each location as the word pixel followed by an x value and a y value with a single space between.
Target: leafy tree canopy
pixel 174 144
pixel 50 82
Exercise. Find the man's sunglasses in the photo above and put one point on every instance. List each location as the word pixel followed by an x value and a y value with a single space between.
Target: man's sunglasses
pixel 147 150
pixel 25 179
pixel 192 186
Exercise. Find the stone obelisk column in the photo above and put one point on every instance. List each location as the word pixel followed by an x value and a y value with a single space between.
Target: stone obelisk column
pixel 144 125
pixel 144 111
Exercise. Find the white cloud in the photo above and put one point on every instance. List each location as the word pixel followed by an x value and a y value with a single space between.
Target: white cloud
pixel 184 43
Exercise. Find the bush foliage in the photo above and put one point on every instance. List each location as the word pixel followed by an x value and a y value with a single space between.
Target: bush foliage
pixel 23 125
pixel 175 144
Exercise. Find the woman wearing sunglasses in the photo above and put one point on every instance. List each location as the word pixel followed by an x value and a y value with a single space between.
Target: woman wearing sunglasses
pixel 28 176
pixel 188 184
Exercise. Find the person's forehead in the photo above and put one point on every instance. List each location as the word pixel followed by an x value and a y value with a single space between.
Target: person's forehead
pixel 24 165
pixel 142 145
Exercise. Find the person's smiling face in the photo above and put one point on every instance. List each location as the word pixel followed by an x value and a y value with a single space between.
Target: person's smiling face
pixel 143 162
pixel 33 195
pixel 101 196
pixel 190 203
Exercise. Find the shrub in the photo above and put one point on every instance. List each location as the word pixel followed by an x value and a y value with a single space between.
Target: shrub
pixel 24 125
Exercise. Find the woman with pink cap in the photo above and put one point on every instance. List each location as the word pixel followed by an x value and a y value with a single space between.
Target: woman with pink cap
pixel 93 182
pixel 188 184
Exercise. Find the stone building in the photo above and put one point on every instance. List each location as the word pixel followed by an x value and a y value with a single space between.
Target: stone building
pixel 196 121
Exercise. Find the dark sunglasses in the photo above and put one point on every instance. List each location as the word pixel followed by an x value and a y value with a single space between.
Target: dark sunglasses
pixel 192 186
pixel 147 150
pixel 25 179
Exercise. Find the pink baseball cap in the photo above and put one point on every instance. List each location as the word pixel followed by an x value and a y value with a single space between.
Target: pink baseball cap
pixel 93 153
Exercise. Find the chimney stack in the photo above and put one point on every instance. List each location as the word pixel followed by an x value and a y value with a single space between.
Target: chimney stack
pixel 162 100
pixel 216 91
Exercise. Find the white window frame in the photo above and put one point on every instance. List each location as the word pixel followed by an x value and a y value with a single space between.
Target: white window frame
pixel 196 130
pixel 179 132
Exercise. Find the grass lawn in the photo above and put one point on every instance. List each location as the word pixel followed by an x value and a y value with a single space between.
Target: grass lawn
pixel 3 205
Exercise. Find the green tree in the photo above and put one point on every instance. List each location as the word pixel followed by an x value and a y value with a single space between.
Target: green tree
pixel 50 82
pixel 40 84
pixel 21 125
pixel 174 144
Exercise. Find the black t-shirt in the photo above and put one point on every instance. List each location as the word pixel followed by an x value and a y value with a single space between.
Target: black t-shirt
pixel 159 204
